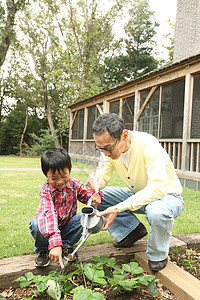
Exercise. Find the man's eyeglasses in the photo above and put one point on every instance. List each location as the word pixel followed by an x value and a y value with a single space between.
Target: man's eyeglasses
pixel 105 149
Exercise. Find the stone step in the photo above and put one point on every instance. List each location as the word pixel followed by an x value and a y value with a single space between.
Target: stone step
pixel 192 240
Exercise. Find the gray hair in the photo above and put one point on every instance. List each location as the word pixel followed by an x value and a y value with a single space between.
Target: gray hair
pixel 112 123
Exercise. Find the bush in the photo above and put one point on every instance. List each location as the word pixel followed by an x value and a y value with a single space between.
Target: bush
pixel 40 144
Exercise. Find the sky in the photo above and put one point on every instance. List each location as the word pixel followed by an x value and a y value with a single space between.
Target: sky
pixel 164 10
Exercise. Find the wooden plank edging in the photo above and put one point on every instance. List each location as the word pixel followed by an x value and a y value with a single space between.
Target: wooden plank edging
pixel 178 281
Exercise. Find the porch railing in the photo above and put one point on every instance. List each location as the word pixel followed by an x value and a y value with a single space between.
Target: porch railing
pixel 194 155
pixel 175 150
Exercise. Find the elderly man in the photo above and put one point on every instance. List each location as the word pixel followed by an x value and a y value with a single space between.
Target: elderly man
pixel 153 187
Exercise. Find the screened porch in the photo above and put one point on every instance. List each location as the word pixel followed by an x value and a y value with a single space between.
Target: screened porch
pixel 165 103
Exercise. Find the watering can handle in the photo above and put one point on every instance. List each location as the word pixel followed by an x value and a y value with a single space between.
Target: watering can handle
pixel 86 219
pixel 84 233
pixel 89 203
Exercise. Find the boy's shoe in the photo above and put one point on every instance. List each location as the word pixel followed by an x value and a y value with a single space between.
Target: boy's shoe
pixel 67 251
pixel 42 260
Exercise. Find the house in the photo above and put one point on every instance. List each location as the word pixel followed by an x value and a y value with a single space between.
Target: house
pixel 165 103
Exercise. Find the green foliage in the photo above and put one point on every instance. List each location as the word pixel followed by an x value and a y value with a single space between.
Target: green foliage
pixel 40 143
pixel 137 59
pixel 53 64
pixel 170 47
pixel 12 127
pixel 7 18
pixel 189 259
pixel 2 14
pixel 94 273
pixel 66 51
pixel 84 293
pixel 104 274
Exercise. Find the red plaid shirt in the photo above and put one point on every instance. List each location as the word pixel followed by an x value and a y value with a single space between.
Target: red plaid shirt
pixel 56 208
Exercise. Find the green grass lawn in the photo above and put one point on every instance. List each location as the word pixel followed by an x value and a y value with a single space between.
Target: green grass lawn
pixel 19 199
pixel 28 162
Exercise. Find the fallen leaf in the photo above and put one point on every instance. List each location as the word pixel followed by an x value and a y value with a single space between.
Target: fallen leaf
pixel 6 294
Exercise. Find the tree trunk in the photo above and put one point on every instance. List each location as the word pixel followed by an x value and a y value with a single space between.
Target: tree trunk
pixel 23 133
pixel 7 31
pixel 51 126
pixel 49 119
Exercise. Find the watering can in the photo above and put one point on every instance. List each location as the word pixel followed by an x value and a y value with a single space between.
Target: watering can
pixel 91 224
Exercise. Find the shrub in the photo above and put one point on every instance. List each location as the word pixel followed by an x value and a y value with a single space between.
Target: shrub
pixel 40 144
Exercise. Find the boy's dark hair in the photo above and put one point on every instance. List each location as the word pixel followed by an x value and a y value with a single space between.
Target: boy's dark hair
pixel 55 159
pixel 112 123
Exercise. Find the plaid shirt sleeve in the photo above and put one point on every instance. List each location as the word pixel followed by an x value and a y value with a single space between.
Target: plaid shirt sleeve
pixel 83 194
pixel 47 218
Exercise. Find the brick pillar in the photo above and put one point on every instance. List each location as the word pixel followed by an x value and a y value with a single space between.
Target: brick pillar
pixel 187 29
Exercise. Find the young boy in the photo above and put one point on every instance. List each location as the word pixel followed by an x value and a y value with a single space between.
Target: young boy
pixel 56 227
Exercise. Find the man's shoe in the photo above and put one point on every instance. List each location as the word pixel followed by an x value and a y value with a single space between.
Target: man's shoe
pixel 138 233
pixel 42 260
pixel 157 265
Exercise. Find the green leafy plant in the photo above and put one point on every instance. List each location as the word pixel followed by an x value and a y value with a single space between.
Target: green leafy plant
pixel 53 283
pixel 92 280
pixel 176 251
pixel 82 293
pixel 187 259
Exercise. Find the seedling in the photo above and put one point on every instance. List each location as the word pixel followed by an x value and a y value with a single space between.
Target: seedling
pixel 188 259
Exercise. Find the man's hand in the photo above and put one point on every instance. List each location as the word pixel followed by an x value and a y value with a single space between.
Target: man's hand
pixel 55 254
pixel 94 183
pixel 110 214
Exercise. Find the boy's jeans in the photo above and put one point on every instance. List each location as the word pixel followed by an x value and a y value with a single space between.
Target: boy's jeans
pixel 160 214
pixel 70 233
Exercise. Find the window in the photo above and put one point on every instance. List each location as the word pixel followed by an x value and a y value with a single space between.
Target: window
pixel 114 107
pixel 172 108
pixel 93 113
pixel 78 125
pixel 149 118
pixel 128 112
pixel 143 96
pixel 195 129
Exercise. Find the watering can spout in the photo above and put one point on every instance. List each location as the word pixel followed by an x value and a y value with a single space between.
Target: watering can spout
pixel 91 224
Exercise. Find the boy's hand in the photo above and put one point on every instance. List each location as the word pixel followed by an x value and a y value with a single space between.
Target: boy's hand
pixel 55 254
pixel 96 200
